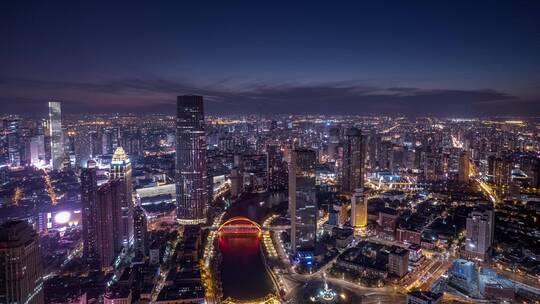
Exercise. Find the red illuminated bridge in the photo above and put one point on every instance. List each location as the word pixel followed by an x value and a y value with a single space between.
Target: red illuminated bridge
pixel 239 225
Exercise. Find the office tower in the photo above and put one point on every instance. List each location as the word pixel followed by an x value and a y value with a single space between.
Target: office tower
pixel 432 163
pixel 502 171
pixel 398 261
pixel 388 219
pixel 24 149
pixel 333 143
pixel 353 161
pixel 55 134
pixel 190 173
pixel 353 178
pixel 302 202
pixel 105 224
pixel 359 209
pixel 13 142
pixel 96 148
pixel 37 150
pixel 277 169
pixel 140 233
pixel 121 170
pixel 118 220
pixel 107 141
pixel 70 141
pixel 89 211
pixel 464 167
pixel 480 228
pixel 20 260
pixel 236 183
pixel 254 171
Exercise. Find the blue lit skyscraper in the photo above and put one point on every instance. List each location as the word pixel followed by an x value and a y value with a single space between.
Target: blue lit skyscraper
pixel 55 133
pixel 190 173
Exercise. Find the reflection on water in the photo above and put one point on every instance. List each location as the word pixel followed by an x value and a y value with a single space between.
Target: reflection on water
pixel 243 274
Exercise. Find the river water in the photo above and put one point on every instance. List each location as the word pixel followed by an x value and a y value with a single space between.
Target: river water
pixel 243 274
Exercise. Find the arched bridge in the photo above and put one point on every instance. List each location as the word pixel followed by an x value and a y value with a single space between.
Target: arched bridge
pixel 243 225
pixel 239 225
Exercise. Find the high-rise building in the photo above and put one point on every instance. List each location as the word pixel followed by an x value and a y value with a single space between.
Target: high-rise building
pixel 191 171
pixel 480 229
pixel 398 261
pixel 13 142
pixel 37 150
pixel 117 189
pixel 502 171
pixel 277 169
pixel 333 143
pixel 55 134
pixel 388 219
pixel 464 167
pixel 89 211
pixel 302 202
pixel 121 170
pixel 20 261
pixel 140 233
pixel 353 176
pixel 236 182
pixel 105 225
pixel 353 161
pixel 359 209
pixel 254 172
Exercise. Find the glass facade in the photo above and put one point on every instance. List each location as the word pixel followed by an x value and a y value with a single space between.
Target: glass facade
pixel 55 133
pixel 302 200
pixel 191 171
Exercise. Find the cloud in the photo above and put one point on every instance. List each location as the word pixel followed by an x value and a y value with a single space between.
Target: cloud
pixel 223 97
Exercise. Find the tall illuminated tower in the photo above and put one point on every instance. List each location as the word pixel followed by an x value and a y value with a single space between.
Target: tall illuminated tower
pixel 121 170
pixel 303 203
pixel 190 173
pixel 353 176
pixel 55 134
pixel 89 211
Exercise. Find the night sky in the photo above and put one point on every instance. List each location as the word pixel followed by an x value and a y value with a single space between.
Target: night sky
pixel 456 58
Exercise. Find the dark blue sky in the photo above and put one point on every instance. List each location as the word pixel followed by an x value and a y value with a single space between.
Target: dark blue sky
pixel 410 57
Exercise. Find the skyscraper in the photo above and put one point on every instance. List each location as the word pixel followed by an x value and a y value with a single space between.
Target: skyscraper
pixel 302 202
pixel 191 172
pixel 20 261
pixel 100 215
pixel 480 229
pixel 13 141
pixel 140 233
pixel 118 221
pixel 89 211
pixel 277 169
pixel 121 170
pixel 359 209
pixel 353 161
pixel 55 134
pixel 105 224
pixel 353 176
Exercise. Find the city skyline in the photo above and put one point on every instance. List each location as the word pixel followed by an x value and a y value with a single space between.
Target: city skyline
pixel 464 59
pixel 269 152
